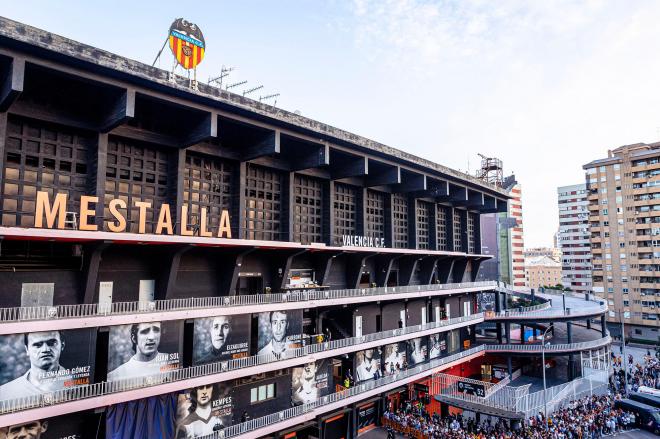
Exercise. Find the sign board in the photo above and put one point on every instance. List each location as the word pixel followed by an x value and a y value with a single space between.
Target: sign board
pixel 471 388
pixel 362 241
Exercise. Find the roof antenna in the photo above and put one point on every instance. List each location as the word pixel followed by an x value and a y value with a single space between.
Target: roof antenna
pixel 252 90
pixel 224 72
pixel 234 85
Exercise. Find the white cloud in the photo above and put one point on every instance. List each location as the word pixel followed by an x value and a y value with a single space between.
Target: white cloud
pixel 546 86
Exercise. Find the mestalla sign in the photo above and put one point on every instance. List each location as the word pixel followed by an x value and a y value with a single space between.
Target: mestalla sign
pixel 51 214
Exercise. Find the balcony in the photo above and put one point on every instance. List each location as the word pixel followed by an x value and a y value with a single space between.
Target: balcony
pixel 12 320
pixel 103 393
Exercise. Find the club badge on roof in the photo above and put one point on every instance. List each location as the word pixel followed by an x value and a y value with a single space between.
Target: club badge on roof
pixel 187 43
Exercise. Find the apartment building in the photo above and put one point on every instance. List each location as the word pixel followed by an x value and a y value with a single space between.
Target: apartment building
pixel 503 237
pixel 550 252
pixel 516 235
pixel 624 219
pixel 573 237
pixel 542 271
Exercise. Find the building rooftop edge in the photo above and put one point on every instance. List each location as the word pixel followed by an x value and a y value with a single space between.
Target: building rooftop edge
pixel 71 51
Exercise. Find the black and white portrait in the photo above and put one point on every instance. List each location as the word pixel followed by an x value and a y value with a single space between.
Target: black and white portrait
pixel 367 365
pixel 279 332
pixel 418 352
pixel 203 410
pixel 395 358
pixel 142 349
pixel 437 345
pixel 310 382
pixel 221 338
pixel 42 362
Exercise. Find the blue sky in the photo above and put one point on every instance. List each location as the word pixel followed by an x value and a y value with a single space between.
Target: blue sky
pixel 544 85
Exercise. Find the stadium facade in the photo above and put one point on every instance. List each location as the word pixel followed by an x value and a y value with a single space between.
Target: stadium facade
pixel 180 262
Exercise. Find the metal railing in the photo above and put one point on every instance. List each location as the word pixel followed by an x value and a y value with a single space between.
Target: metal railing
pixel 264 421
pixel 560 347
pixel 108 387
pixel 455 387
pixel 547 313
pixel 121 308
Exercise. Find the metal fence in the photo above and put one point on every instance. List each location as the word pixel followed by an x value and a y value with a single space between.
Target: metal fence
pixel 560 347
pixel 122 308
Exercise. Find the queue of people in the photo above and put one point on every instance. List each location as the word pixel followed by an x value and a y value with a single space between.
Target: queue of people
pixel 586 418
pixel 646 374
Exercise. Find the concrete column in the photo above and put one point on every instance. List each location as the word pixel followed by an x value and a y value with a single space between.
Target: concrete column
pixel 509 367
pixel 499 333
pixel 522 334
pixel 603 326
pixel 588 323
pixel 507 331
pixel 498 305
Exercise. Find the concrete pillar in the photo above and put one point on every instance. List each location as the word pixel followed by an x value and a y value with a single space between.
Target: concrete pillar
pixel 603 326
pixel 499 332
pixel 498 305
pixel 507 332
pixel 588 323
pixel 522 334
pixel 509 367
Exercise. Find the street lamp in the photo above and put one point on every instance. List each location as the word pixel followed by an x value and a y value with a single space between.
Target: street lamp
pixel 623 344
pixel 545 397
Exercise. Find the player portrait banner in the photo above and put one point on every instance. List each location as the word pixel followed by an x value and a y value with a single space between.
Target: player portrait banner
pixel 367 365
pixel 394 358
pixel 203 410
pixel 42 362
pixel 143 349
pixel 486 302
pixel 418 351
pixel 437 345
pixel 279 332
pixel 310 382
pixel 221 338
pixel 73 426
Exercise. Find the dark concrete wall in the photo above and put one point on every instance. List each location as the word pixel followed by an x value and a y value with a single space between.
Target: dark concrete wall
pixel 369 313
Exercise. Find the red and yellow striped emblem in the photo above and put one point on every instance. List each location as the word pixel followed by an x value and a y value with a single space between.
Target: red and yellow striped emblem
pixel 187 51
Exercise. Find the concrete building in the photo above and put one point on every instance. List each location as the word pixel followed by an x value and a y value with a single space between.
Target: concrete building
pixel 573 237
pixel 542 271
pixel 550 252
pixel 624 219
pixel 503 238
pixel 516 233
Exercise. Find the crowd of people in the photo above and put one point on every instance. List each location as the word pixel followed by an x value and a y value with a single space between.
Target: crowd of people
pixel 585 418
pixel 590 417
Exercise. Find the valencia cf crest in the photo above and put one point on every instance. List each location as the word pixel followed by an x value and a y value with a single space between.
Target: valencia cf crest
pixel 187 43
